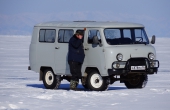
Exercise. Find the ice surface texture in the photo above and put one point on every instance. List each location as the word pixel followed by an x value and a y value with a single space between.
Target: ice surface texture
pixel 20 88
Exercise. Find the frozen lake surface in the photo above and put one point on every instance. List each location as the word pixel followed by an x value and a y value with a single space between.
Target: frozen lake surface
pixel 21 89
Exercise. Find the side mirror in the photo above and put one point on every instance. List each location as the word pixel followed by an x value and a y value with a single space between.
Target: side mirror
pixel 153 39
pixel 96 41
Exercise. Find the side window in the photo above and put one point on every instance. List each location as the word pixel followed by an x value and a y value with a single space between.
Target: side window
pixel 127 33
pixel 47 35
pixel 60 35
pixel 93 33
pixel 139 35
pixel 64 35
pixel 42 35
pixel 67 35
pixel 112 33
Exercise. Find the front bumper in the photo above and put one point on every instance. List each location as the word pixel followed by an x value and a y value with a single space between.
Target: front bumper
pixel 125 67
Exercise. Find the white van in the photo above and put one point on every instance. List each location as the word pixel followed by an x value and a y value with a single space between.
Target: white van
pixel 114 51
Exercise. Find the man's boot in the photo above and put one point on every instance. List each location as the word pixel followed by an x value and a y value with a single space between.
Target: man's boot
pixel 73 85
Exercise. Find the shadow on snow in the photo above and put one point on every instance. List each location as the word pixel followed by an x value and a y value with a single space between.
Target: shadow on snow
pixel 67 86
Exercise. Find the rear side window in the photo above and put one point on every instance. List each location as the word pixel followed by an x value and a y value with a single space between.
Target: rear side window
pixel 47 35
pixel 64 35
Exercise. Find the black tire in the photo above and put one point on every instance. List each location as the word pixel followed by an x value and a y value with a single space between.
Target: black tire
pixel 50 80
pixel 139 81
pixel 95 82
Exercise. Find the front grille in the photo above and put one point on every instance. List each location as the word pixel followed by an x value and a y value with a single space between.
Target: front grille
pixel 137 61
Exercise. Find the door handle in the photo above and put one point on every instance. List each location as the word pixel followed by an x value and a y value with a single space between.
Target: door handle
pixel 86 49
pixel 57 47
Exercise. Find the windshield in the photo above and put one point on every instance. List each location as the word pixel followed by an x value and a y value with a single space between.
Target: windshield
pixel 126 36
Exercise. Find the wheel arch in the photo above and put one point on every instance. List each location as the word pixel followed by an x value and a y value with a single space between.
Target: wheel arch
pixel 42 68
pixel 89 69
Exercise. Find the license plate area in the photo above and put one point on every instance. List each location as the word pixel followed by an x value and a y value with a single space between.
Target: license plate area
pixel 134 68
pixel 138 64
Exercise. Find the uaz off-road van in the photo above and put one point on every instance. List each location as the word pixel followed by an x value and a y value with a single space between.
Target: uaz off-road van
pixel 114 51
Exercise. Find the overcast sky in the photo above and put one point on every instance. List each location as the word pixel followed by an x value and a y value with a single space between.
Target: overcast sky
pixel 19 16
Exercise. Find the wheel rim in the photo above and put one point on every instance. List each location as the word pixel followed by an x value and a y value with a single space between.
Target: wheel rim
pixel 49 77
pixel 96 81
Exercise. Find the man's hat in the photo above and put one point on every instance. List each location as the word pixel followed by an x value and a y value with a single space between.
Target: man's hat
pixel 80 32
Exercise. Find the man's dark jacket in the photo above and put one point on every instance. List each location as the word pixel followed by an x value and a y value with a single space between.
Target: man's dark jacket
pixel 76 51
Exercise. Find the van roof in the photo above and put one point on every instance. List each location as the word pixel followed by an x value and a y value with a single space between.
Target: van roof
pixel 94 24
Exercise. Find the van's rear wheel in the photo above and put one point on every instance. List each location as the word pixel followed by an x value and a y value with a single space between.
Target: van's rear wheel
pixel 95 82
pixel 139 81
pixel 50 80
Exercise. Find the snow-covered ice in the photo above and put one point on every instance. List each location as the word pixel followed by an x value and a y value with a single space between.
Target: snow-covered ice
pixel 20 88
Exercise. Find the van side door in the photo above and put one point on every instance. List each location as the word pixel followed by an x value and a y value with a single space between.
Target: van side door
pixel 61 51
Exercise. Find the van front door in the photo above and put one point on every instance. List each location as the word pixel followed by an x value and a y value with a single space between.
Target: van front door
pixel 94 54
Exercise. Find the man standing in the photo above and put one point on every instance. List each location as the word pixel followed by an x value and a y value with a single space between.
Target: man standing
pixel 75 58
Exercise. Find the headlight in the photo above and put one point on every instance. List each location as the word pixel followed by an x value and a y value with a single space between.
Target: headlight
pixel 151 56
pixel 119 57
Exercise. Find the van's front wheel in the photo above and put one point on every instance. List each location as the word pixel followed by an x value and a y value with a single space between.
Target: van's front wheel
pixel 50 80
pixel 95 82
pixel 139 81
